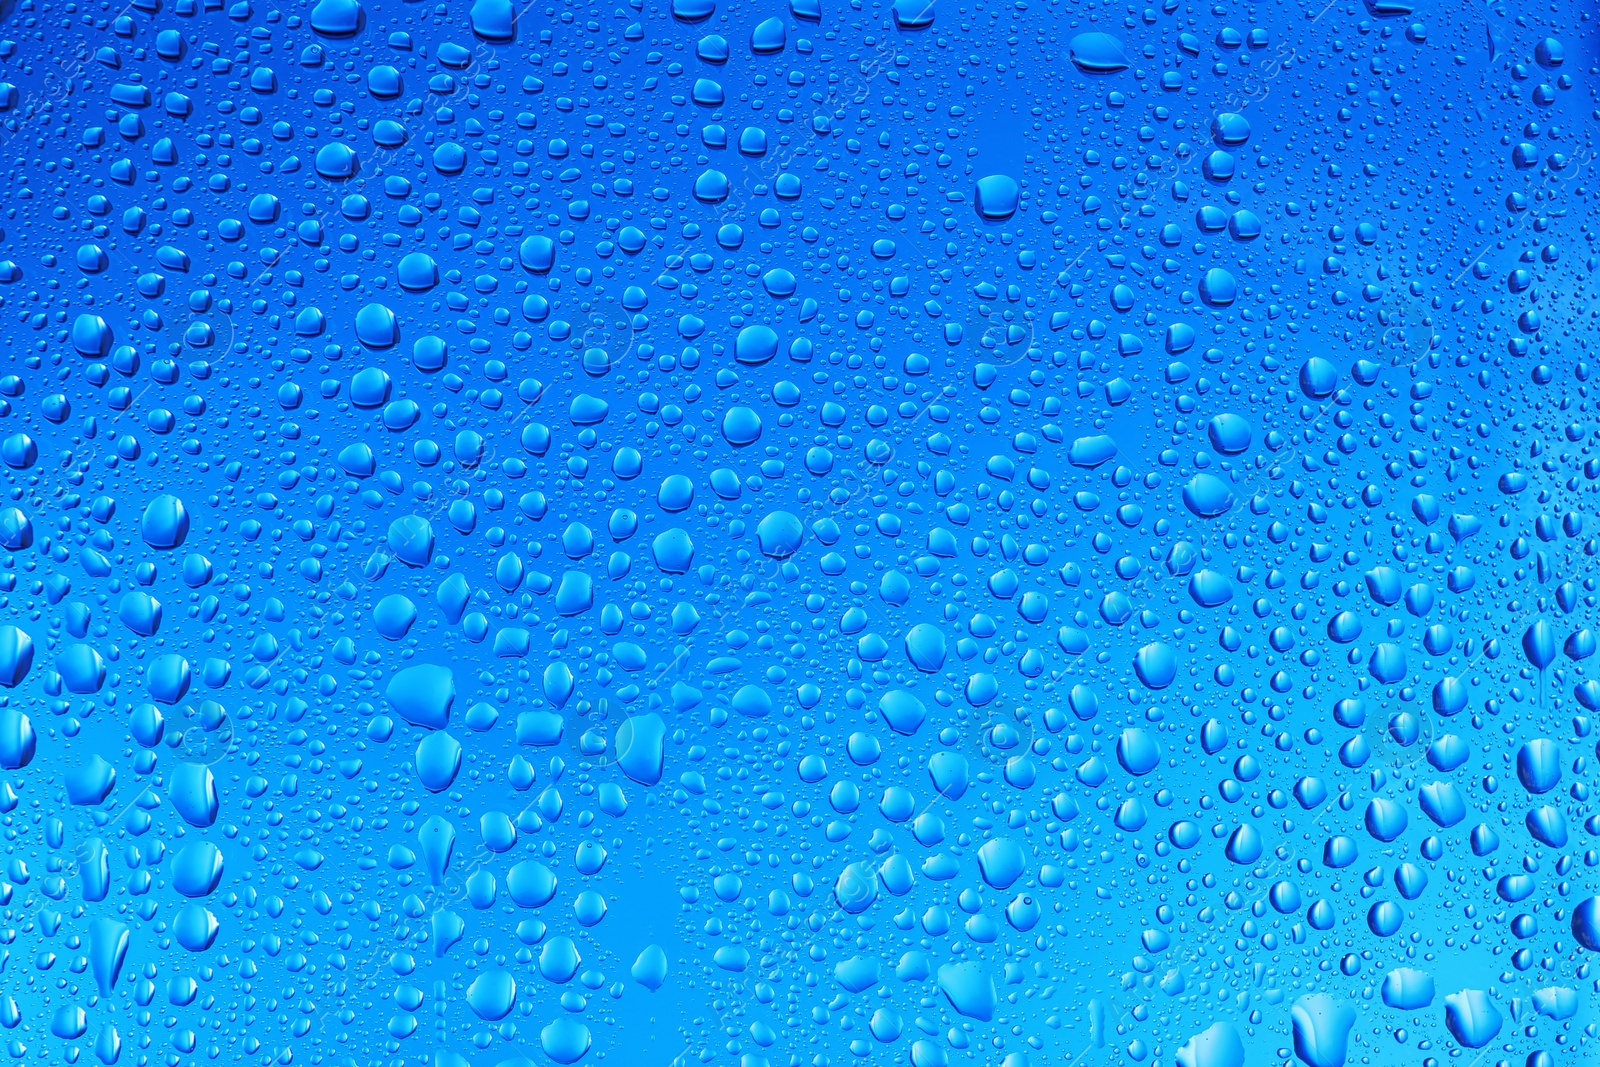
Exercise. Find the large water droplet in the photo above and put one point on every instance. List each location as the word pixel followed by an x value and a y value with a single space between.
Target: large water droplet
pixel 1322 1028
pixel 996 197
pixel 492 995
pixel 1218 1045
pixel 165 523
pixel 1098 53
pixel 1472 1017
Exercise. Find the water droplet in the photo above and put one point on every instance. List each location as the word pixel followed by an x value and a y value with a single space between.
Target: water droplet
pixel 1098 53
pixel 996 197
pixel 1322 1028
pixel 1472 1017
pixel 492 995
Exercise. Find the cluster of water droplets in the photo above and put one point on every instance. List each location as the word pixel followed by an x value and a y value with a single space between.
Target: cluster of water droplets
pixel 794 533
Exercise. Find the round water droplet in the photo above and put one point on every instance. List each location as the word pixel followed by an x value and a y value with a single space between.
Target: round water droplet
pixel 1001 861
pixel 712 187
pixel 91 336
pixel 757 344
pixel 81 668
pixel 1244 845
pixel 566 1040
pixel 338 18
pixel 752 701
pixel 1218 287
pixel 1138 751
pixel 589 908
pixel 16 529
pixel 693 10
pixel 1318 377
pixel 1472 1017
pixel 438 761
pixel 925 647
pixel 1539 644
pixel 531 884
pixel 856 888
pixel 559 960
pixel 1228 433
pixel 1388 662
pixel 1322 1028
pixel 1539 765
pixel 1210 588
pixel 1385 819
pixel 1586 923
pixel 492 995
pixel 741 426
pixel 417 272
pixel 673 551
pixel 996 197
pixel 1407 989
pixel 377 327
pixel 768 37
pixel 911 14
pixel 1207 496
pixel 650 969
pixel 393 616
pixel 336 161
pixel 410 538
pixel 779 535
pixel 165 523
pixel 18 742
pixel 537 254
pixel 1230 128
pixel 493 20
pixel 197 869
pixel 1156 665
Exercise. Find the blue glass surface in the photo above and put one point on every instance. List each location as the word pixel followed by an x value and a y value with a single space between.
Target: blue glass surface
pixel 797 533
